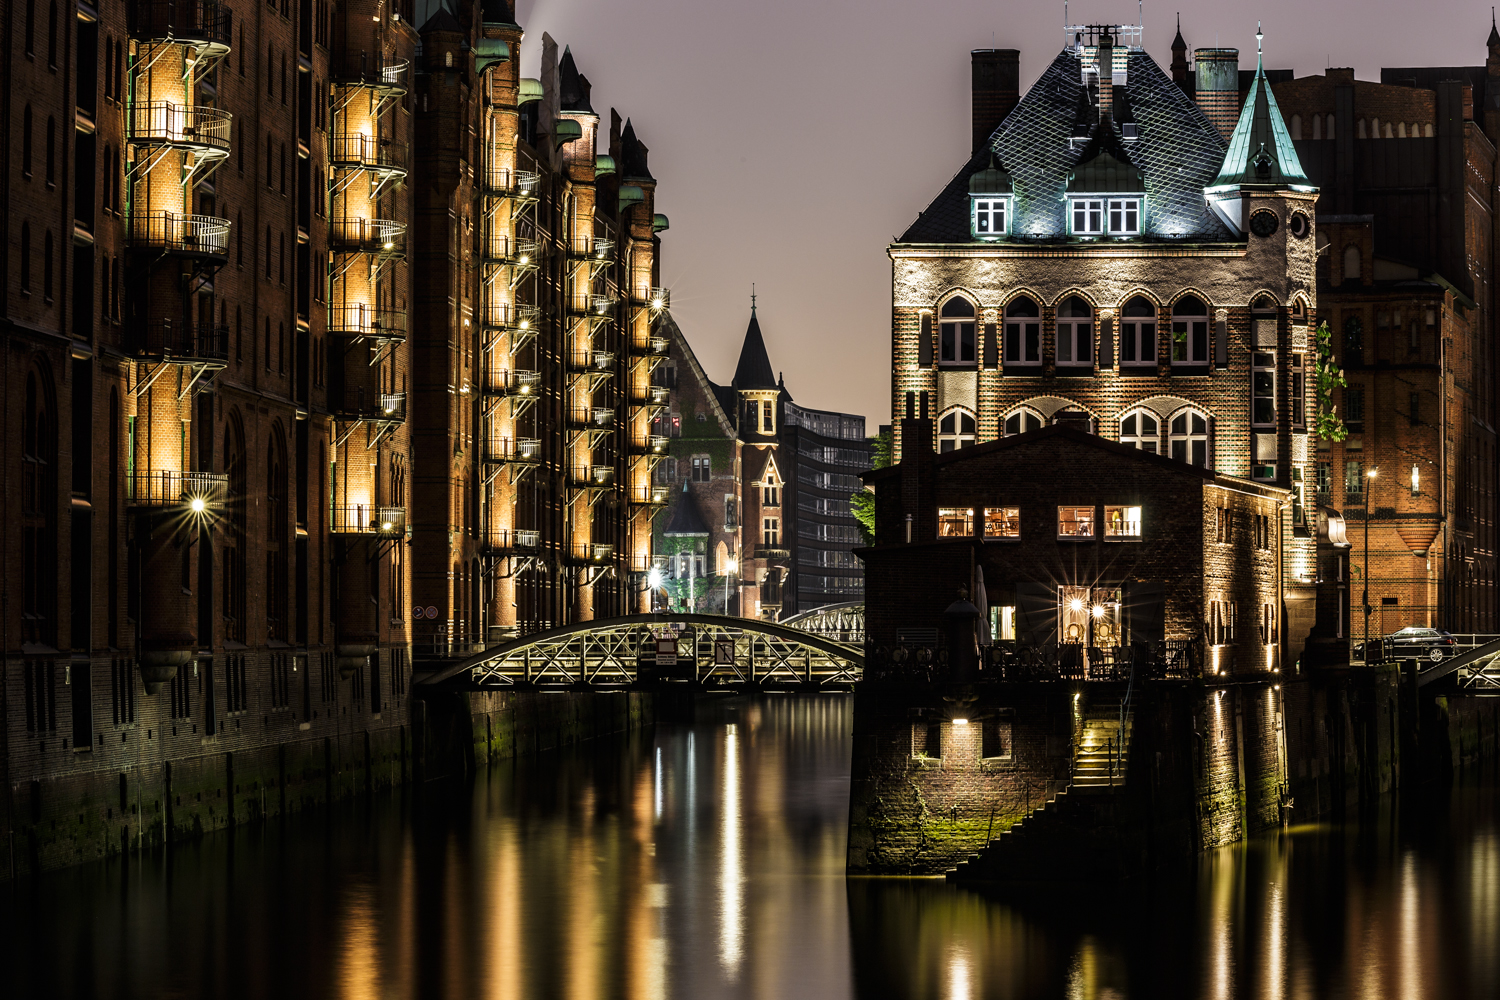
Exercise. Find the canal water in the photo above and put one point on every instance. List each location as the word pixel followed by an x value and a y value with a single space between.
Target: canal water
pixel 706 860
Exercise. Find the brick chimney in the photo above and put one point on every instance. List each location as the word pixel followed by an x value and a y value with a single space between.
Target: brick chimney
pixel 1218 73
pixel 1106 67
pixel 996 90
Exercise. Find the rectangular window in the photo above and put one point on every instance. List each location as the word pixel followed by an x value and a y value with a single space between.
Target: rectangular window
pixel 1299 394
pixel 1324 480
pixel 1122 522
pixel 1354 408
pixel 1190 341
pixel 1222 523
pixel 927 738
pixel 770 495
pixel 957 343
pixel 1124 216
pixel 767 422
pixel 1075 522
pixel 731 514
pixel 1138 343
pixel 1088 216
pixel 1354 479
pixel 1263 389
pixel 1075 339
pixel 955 522
pixel 1002 522
pixel 994 739
pixel 701 470
pixel 1416 409
pixel 989 217
pixel 771 532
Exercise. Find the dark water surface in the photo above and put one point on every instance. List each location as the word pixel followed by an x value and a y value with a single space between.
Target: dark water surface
pixel 707 860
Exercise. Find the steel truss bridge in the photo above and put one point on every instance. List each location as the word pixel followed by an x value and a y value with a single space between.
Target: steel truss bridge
pixel 842 622
pixel 1474 670
pixel 703 650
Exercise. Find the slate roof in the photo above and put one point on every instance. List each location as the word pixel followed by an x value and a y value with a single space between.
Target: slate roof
pixel 573 86
pixel 1260 148
pixel 633 154
pixel 754 370
pixel 686 518
pixel 443 20
pixel 497 11
pixel 1179 150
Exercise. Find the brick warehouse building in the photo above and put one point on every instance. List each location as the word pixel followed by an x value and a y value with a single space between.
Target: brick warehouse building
pixel 332 306
pixel 1106 259
pixel 759 523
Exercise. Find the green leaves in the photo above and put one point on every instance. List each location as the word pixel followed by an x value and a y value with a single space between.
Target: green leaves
pixel 1327 424
pixel 862 504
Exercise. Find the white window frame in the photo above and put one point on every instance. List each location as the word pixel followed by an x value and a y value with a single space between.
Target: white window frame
pixel 1189 324
pixel 983 208
pixel 1262 387
pixel 1022 414
pixel 1139 439
pixel 1124 216
pixel 953 326
pixel 1023 325
pixel 958 437
pixel 1122 522
pixel 1104 215
pixel 1073 332
pixel 1130 333
pixel 1086 216
pixel 1191 437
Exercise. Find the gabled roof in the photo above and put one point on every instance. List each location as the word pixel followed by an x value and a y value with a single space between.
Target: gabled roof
pixel 1178 151
pixel 1108 171
pixel 721 399
pixel 754 370
pixel 497 11
pixel 993 179
pixel 686 518
pixel 442 20
pixel 1260 148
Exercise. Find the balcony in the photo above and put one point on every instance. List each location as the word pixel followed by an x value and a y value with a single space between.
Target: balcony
pixel 593 306
pixel 654 444
pixel 651 395
pixel 501 450
pixel 201 23
pixel 195 491
pixel 591 418
pixel 595 249
pixel 512 540
pixel 363 321
pixel 385 75
pixel 181 235
pixel 593 553
pixel 383 237
pixel 654 347
pixel 772 552
pixel 510 251
pixel 650 496
pixel 510 316
pixel 357 151
pixel 181 343
pixel 592 476
pixel 356 404
pixel 365 519
pixel 185 126
pixel 656 299
pixel 511 183
pixel 593 361
pixel 511 382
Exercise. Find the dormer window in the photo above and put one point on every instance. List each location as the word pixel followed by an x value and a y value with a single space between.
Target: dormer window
pixel 989 202
pixel 1106 196
pixel 1106 216
pixel 990 217
pixel 1124 216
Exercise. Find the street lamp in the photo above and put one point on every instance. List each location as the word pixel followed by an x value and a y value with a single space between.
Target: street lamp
pixel 1369 491
pixel 729 568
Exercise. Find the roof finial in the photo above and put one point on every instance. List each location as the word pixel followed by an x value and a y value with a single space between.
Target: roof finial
pixel 1258 36
pixel 752 298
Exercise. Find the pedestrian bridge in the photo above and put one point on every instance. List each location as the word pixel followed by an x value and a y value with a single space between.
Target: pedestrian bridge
pixel 842 622
pixel 1475 670
pixel 704 650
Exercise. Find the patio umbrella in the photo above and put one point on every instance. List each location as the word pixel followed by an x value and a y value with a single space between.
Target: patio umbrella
pixel 982 602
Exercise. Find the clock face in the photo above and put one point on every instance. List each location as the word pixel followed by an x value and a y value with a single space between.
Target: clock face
pixel 1263 223
pixel 1298 225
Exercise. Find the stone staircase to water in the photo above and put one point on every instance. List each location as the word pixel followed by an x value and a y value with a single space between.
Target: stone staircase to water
pixel 1069 835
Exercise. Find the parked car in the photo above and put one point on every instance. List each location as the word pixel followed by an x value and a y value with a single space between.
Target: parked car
pixel 1414 642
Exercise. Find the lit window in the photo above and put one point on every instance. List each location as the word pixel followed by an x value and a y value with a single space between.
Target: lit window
pixel 1140 429
pixel 1124 216
pixel 955 522
pixel 1002 522
pixel 770 495
pixel 1022 421
pixel 1325 480
pixel 1075 333
pixel 1138 333
pixel 1190 331
pixel 955 430
pixel 1088 216
pixel 1263 389
pixel 771 531
pixel 1188 438
pixel 1354 480
pixel 957 331
pixel 989 217
pixel 701 473
pixel 1122 522
pixel 1023 332
pixel 1075 522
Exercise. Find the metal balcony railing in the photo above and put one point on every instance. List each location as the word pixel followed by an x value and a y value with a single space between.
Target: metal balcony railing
pixel 510 250
pixel 198 491
pixel 367 152
pixel 654 347
pixel 364 321
pixel 367 519
pixel 357 404
pixel 594 552
pixel 184 343
pixel 511 382
pixel 378 236
pixel 510 316
pixel 592 417
pixel 168 232
pixel 655 444
pixel 363 68
pixel 514 183
pixel 657 298
pixel 651 395
pixel 650 495
pixel 513 539
pixel 186 125
pixel 593 305
pixel 596 248
pixel 594 361
pixel 190 21
pixel 593 475
pixel 509 450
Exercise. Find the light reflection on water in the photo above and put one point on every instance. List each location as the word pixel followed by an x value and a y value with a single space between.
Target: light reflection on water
pixel 707 860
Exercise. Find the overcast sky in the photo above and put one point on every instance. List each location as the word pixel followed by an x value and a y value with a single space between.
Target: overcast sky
pixel 792 140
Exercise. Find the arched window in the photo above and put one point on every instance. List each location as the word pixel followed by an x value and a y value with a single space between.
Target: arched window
pixel 957 333
pixel 1075 333
pixel 1023 332
pixel 955 430
pixel 1263 304
pixel 1022 420
pixel 1352 265
pixel 1330 133
pixel 39 511
pixel 1296 127
pixel 1190 331
pixel 1138 333
pixel 1189 438
pixel 1141 429
pixel 1317 126
pixel 26 141
pixel 1354 340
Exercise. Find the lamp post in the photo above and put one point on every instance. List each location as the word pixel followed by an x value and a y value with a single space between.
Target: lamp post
pixel 729 568
pixel 1369 496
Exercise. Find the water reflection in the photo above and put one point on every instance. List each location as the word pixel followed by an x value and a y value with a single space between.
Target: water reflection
pixel 706 860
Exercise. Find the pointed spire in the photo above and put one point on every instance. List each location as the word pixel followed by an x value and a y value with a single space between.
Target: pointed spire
pixel 754 370
pixel 633 155
pixel 1494 40
pixel 1178 43
pixel 752 300
pixel 1260 147
pixel 573 86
